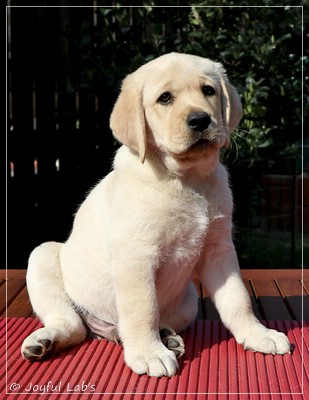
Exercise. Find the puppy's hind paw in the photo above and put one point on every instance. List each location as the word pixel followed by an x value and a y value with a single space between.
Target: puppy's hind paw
pixel 38 345
pixel 38 350
pixel 172 341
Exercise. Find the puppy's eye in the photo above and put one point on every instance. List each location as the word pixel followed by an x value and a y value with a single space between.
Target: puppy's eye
pixel 208 90
pixel 165 98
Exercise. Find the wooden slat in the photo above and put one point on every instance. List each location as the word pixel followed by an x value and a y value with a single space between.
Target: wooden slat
pixel 266 274
pixel 275 294
pixel 306 285
pixel 16 301
pixel 210 310
pixel 254 302
pixel 14 287
pixel 270 300
pixel 20 307
pixel 13 273
pixel 292 292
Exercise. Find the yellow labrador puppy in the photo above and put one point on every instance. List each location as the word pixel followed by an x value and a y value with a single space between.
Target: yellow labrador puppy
pixel 161 217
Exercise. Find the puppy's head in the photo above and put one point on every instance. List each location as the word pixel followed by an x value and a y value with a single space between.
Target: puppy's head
pixel 179 104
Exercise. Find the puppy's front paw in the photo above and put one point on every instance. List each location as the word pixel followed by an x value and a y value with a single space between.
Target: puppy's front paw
pixel 157 360
pixel 172 341
pixel 38 345
pixel 268 341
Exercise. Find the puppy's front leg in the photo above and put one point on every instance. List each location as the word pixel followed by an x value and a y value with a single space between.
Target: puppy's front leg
pixel 220 275
pixel 138 315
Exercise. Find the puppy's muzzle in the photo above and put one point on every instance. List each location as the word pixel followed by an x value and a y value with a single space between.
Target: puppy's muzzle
pixel 203 133
pixel 198 121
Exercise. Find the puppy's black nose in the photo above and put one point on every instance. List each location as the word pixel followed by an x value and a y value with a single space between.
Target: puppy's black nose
pixel 198 121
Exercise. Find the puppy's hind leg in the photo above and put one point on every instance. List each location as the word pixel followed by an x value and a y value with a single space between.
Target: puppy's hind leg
pixel 62 326
pixel 172 341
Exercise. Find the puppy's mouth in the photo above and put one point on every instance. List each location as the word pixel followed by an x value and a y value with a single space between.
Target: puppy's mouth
pixel 201 144
pixel 208 142
pixel 198 148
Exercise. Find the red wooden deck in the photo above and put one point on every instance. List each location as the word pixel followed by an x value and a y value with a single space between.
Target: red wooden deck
pixel 213 367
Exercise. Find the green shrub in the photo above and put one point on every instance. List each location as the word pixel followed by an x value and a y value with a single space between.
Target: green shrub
pixel 260 47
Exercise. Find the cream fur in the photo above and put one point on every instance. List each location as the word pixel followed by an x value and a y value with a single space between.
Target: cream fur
pixel 161 217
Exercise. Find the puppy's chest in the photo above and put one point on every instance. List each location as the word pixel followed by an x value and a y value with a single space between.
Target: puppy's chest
pixel 186 225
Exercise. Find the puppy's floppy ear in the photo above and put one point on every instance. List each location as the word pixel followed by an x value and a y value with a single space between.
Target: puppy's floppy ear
pixel 127 120
pixel 230 103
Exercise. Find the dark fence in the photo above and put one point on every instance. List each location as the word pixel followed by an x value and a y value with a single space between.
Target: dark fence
pixel 59 143
pixel 268 213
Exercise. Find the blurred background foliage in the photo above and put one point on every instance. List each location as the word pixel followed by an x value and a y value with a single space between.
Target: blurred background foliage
pixel 260 47
pixel 88 50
